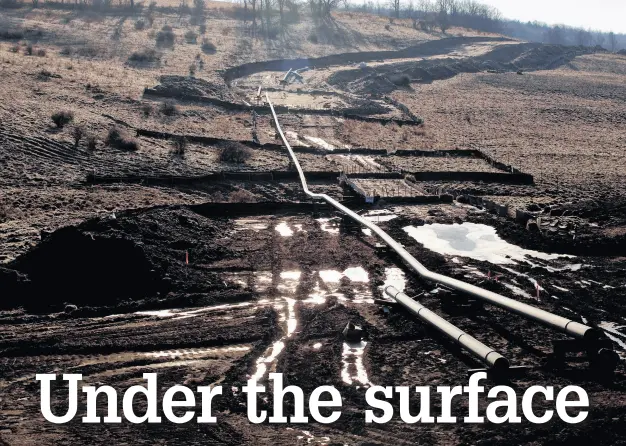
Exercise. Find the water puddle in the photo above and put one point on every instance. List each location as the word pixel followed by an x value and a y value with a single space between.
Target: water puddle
pixel 379 216
pixel 331 281
pixel 248 224
pixel 612 331
pixel 289 281
pixel 353 370
pixel 199 352
pixel 355 281
pixel 330 225
pixel 476 241
pixel 266 363
pixel 183 313
pixel 284 230
pixel 394 277
pixel 309 438
pixel 518 291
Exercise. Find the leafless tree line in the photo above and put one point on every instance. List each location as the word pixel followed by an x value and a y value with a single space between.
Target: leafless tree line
pixel 442 13
pixel 564 35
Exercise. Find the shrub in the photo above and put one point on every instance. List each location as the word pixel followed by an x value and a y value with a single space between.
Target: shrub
pixel 208 46
pixel 116 138
pixel 77 133
pixel 313 38
pixel 147 109
pixel 165 37
pixel 202 29
pixel 401 80
pixel 4 213
pixel 168 108
pixel 241 196
pixel 140 24
pixel 388 27
pixel 92 142
pixel 179 146
pixel 14 48
pixel 28 50
pixel 66 51
pixel 147 55
pixel 192 70
pixel 150 18
pixel 41 52
pixel 191 37
pixel 234 152
pixel 61 118
pixel 45 75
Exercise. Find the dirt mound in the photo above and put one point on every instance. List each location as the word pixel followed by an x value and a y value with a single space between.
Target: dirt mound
pixel 108 261
pixel 380 79
pixel 183 86
pixel 71 266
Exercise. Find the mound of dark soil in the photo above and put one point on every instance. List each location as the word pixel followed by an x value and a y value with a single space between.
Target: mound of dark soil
pixel 108 261
pixel 75 267
pixel 183 86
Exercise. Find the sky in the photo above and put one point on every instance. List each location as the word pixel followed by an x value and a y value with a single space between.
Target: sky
pixel 604 15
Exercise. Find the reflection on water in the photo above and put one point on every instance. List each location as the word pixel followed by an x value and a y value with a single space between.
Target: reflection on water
pixel 612 331
pixel 352 368
pixel 476 241
pixel 284 229
pixel 330 225
pixel 327 284
pixel 379 215
pixel 394 277
pixel 250 224
pixel 183 313
pixel 198 352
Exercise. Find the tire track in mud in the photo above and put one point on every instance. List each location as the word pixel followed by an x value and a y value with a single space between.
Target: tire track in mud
pixel 42 152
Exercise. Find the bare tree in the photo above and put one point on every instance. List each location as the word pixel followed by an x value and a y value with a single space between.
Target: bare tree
pixel 583 37
pixel 395 5
pixel 281 10
pixel 612 42
pixel 326 6
pixel 443 19
pixel 554 35
pixel 600 39
pixel 253 3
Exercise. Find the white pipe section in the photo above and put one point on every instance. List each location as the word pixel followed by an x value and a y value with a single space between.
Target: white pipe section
pixel 486 354
pixel 546 318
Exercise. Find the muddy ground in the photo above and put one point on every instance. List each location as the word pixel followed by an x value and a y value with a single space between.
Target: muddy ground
pixel 206 271
pixel 258 282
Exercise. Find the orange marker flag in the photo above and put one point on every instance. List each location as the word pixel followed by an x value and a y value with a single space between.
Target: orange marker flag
pixel 186 257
